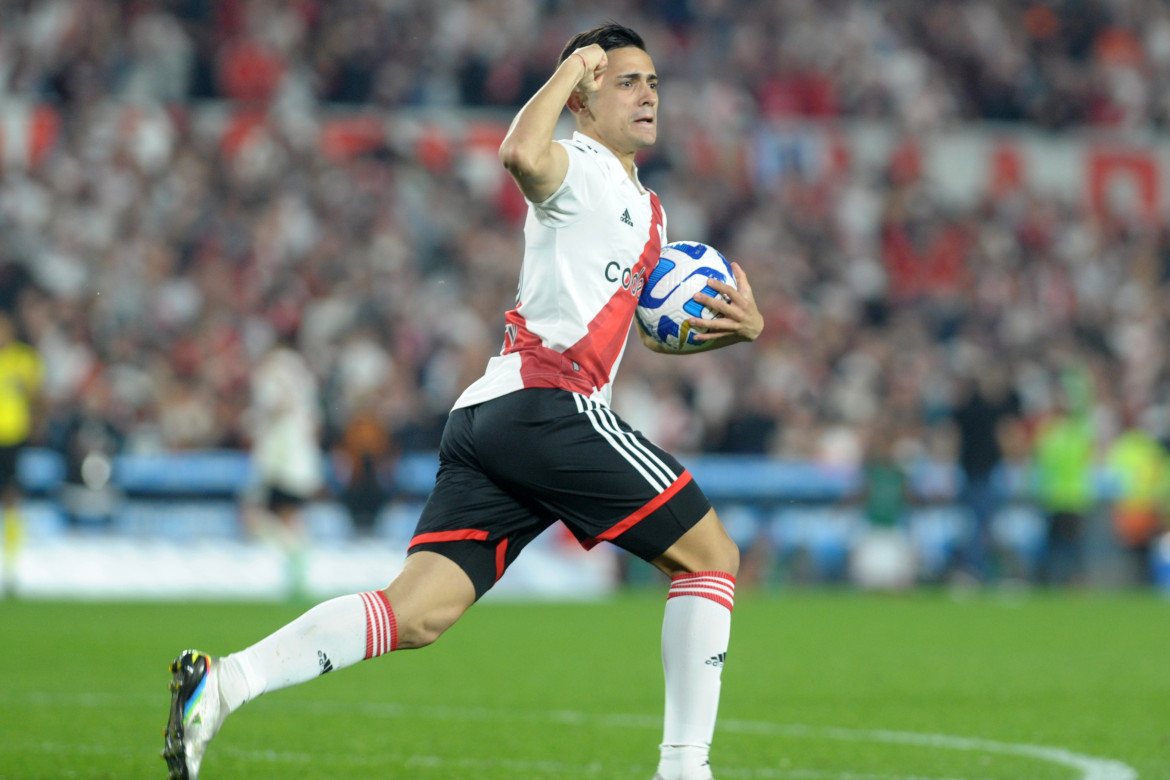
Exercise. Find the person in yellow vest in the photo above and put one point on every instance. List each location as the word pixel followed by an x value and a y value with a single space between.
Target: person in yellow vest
pixel 1141 466
pixel 1063 458
pixel 21 371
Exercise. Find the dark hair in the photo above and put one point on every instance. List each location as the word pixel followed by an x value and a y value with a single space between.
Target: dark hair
pixel 607 36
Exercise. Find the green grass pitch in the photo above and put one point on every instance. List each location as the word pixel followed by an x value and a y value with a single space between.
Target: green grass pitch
pixel 818 685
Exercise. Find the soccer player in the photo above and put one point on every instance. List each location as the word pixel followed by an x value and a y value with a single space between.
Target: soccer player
pixel 286 450
pixel 534 440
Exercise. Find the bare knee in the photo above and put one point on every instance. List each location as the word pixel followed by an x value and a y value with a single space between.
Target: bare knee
pixel 419 629
pixel 727 558
pixel 722 556
pixel 705 547
pixel 427 598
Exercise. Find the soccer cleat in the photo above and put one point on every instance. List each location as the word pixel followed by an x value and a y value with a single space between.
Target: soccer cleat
pixel 683 764
pixel 703 773
pixel 196 713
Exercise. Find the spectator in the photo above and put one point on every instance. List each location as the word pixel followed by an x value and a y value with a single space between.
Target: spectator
pixel 883 557
pixel 885 485
pixel 1141 466
pixel 89 435
pixel 21 372
pixel 366 455
pixel 986 407
pixel 1063 456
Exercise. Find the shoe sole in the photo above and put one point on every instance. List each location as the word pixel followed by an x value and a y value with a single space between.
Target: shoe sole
pixel 173 749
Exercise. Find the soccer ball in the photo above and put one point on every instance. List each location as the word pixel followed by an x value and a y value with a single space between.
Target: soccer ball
pixel 666 301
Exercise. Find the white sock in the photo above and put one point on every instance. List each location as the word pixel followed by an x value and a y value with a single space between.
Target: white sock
pixel 695 633
pixel 331 635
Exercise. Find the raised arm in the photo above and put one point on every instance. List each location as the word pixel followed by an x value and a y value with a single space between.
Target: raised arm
pixel 528 153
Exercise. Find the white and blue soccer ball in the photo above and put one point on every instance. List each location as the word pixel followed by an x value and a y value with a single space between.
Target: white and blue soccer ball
pixel 667 302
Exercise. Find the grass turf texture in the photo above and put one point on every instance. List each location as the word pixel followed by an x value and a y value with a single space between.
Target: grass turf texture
pixel 814 683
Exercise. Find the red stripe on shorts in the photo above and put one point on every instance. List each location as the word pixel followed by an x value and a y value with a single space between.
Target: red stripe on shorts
pixel 501 559
pixel 637 517
pixel 450 536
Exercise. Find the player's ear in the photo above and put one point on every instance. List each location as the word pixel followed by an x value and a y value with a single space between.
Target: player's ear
pixel 576 101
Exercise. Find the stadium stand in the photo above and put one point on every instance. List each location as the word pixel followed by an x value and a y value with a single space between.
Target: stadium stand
pixel 917 195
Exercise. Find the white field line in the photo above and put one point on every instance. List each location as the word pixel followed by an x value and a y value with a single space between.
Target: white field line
pixel 1090 767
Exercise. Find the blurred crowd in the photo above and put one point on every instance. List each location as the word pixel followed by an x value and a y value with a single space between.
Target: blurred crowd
pixel 1054 63
pixel 152 283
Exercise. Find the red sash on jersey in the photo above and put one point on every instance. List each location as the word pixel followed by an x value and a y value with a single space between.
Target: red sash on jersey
pixel 586 366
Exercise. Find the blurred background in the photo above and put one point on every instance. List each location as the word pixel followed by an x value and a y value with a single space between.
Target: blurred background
pixel 218 213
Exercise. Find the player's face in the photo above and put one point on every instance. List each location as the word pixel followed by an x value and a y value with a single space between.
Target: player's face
pixel 625 106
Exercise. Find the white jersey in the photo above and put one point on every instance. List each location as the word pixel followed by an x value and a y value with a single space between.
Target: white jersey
pixel 588 249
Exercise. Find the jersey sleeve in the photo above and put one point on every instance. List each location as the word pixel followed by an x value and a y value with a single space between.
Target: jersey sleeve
pixel 584 183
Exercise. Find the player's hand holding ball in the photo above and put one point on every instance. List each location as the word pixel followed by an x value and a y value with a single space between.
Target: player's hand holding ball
pixel 738 316
pixel 694 300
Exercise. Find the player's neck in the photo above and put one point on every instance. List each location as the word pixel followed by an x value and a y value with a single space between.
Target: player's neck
pixel 625 158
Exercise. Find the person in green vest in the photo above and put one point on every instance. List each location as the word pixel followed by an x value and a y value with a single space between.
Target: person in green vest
pixel 885 488
pixel 883 557
pixel 1063 455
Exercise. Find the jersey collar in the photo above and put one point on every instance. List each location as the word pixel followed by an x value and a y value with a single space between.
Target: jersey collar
pixel 610 159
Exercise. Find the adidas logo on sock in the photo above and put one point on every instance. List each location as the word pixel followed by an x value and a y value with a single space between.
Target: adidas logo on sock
pixel 716 660
pixel 626 218
pixel 327 665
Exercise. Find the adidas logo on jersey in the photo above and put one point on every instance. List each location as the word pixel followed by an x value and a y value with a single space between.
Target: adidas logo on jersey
pixel 626 218
pixel 327 666
pixel 716 660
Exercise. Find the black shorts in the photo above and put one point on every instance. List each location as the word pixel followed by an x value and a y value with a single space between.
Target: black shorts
pixel 279 499
pixel 512 466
